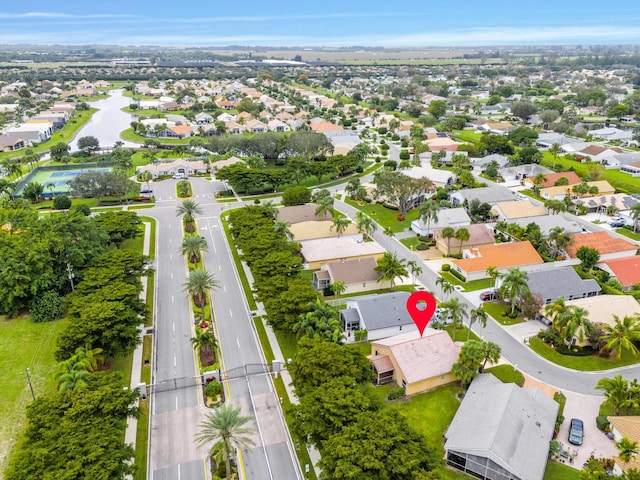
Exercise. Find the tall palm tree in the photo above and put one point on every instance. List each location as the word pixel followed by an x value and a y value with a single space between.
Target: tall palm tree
pixel 477 314
pixel 622 335
pixel 146 177
pixel 493 273
pixel 193 246
pixel 575 320
pixel 428 211
pixel 538 181
pixel 225 425
pixel 514 285
pixel 281 227
pixel 627 450
pixel 457 313
pixel 365 224
pixel 448 233
pixel 554 150
pixel 205 341
pixel 187 210
pixel 352 187
pixel 415 269
pixel 321 322
pixel 616 392
pixel 558 240
pixel 338 288
pixel 89 358
pixel 324 206
pixel 490 353
pixel 198 284
pixel 271 208
pixel 11 169
pixel 391 267
pixel 462 235
pixel 445 285
pixel 554 309
pixel 6 186
pixel 388 231
pixel 340 224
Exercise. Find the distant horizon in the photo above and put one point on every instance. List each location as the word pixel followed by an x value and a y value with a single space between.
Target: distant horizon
pixel 331 24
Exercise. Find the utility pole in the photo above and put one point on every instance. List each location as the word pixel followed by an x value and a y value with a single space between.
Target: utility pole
pixel 30 385
pixel 71 276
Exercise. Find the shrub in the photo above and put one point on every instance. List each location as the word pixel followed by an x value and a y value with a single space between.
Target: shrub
pixel 213 389
pixel 395 393
pixel 602 423
pixel 45 307
pixel 458 275
pixel 575 351
pixel 61 202
pixel 83 209
pixel 184 189
pixel 550 336
pixel 422 246
pixel 404 155
pixel 446 267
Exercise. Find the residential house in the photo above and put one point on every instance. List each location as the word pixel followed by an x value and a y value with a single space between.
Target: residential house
pixel 9 143
pixel 550 179
pixel 490 195
pixel 358 275
pixel 609 247
pixel 501 431
pixel 482 163
pixel 627 427
pixel 439 178
pixel 417 363
pixel 317 252
pixel 321 229
pixel 479 235
pixel 519 173
pixel 33 132
pixel 626 270
pixel 611 133
pixel 549 222
pixel 322 127
pixel 561 282
pixel 203 118
pixel 503 256
pixel 278 126
pixel 226 117
pixel 176 131
pixel 447 217
pixel 514 209
pixel 382 315
pixel 621 201
pixel 256 126
pixel 175 167
pixel 299 213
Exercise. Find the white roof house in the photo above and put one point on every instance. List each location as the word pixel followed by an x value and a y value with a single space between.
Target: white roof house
pixel 447 217
pixel 501 431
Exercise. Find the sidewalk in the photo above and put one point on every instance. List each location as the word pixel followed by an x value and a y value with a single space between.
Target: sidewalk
pixel 136 364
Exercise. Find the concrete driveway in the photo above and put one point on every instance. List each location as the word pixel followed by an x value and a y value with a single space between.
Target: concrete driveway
pixel 585 407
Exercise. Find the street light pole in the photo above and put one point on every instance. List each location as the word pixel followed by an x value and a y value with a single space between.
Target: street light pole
pixel 30 385
pixel 71 276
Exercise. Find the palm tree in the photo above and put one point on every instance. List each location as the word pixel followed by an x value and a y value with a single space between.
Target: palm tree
pixel 538 181
pixel 193 246
pixel 415 269
pixel 554 150
pixel 365 224
pixel 457 313
pixel 554 309
pixel 388 231
pixel 198 284
pixel 478 314
pixel 635 214
pixel 514 285
pixel 90 358
pixel 462 235
pixel 71 374
pixel 493 273
pixel 271 208
pixel 490 353
pixel 11 169
pixel 187 210
pixel 391 267
pixel 282 227
pixel 616 392
pixel 6 186
pixel 340 224
pixel 574 319
pixel 448 233
pixel 627 449
pixel 352 187
pixel 428 211
pixel 205 341
pixel 558 240
pixel 338 288
pixel 445 285
pixel 321 322
pixel 225 425
pixel 324 206
pixel 146 177
pixel 622 335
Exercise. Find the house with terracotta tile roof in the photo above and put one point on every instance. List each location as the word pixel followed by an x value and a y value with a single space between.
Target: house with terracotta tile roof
pixel 608 246
pixel 502 256
pixel 177 131
pixel 626 270
pixel 552 178
pixel 629 427
pixel 321 127
pixel 417 363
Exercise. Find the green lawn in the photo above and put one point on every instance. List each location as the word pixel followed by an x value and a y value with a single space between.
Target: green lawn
pixel 24 344
pixel 264 340
pixel 142 439
pixel 466 136
pixel 628 233
pixel 560 471
pixel 481 284
pixel 130 135
pixel 507 374
pixel 288 343
pixel 498 310
pixel 586 364
pixel 385 217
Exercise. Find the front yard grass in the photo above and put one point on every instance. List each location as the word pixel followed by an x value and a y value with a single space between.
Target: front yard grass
pixel 498 311
pixel 560 471
pixel 507 374
pixel 385 217
pixel 473 285
pixel 585 364
pixel 628 233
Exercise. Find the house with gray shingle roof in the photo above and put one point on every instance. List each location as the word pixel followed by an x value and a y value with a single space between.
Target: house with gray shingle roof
pixel 490 195
pixel 501 431
pixel 561 282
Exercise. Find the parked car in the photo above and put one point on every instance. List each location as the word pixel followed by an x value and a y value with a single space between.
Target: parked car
pixel 486 296
pixel 576 431
pixel 616 222
pixel 146 190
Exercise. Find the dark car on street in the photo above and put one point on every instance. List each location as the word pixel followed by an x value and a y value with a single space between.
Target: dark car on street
pixel 576 431
pixel 486 296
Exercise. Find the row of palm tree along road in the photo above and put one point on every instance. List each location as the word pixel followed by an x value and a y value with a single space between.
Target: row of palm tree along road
pixel 224 428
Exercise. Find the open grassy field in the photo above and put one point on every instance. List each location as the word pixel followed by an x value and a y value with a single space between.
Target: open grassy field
pixel 24 344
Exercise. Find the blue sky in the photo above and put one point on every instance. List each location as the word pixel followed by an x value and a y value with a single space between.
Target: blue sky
pixel 408 23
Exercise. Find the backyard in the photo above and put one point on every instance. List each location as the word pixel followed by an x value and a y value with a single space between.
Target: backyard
pixel 384 216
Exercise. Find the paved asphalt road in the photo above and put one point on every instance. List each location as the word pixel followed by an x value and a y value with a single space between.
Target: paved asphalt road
pixel 177 408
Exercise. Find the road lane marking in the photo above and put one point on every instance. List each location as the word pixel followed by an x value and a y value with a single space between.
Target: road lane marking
pixel 230 313
pixel 170 240
pixel 171 274
pixel 175 361
pixel 220 267
pixel 172 299
pixel 176 403
pixel 224 288
pixel 171 256
pixel 238 342
pixel 174 326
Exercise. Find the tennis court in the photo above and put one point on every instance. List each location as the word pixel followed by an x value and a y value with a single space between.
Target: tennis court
pixel 57 181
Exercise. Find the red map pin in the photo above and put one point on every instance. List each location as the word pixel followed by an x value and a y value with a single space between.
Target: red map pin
pixel 421 317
